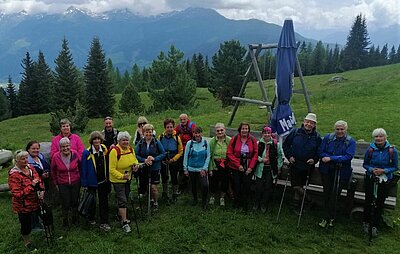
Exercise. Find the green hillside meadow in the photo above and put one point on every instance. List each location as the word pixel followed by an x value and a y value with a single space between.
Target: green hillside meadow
pixel 366 99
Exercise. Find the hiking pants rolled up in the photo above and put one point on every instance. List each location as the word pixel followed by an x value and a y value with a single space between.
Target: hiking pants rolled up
pixel 241 187
pixel 264 187
pixel 69 195
pixel 381 197
pixel 196 180
pixel 219 181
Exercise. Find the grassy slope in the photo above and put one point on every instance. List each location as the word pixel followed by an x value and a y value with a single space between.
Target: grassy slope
pixel 367 99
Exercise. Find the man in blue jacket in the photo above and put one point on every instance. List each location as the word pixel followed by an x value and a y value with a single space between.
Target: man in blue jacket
pixel 336 152
pixel 301 149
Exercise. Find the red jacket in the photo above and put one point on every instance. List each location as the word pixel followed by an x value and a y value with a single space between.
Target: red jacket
pixel 185 132
pixel 233 153
pixel 24 196
pixel 60 174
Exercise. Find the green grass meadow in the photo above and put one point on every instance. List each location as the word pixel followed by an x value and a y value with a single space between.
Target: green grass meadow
pixel 366 99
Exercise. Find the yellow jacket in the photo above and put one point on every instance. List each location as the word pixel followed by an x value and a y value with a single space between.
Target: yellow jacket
pixel 118 166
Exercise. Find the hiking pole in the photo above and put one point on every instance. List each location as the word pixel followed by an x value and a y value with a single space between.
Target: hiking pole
pixel 149 193
pixel 304 197
pixel 373 206
pixel 139 198
pixel 134 210
pixel 47 219
pixel 337 187
pixel 284 191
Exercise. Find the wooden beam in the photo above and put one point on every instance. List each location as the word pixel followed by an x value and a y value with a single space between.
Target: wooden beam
pixel 265 103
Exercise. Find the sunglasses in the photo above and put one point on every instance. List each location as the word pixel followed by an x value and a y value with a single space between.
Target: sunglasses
pixel 222 130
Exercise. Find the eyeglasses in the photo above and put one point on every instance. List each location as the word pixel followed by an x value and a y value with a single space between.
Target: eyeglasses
pixel 221 130
pixel 340 129
pixel 140 124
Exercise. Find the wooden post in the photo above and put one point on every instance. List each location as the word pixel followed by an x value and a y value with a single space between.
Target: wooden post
pixel 305 92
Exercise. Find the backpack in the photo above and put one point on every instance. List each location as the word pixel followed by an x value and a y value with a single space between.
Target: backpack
pixel 205 145
pixel 189 128
pixel 332 136
pixel 116 148
pixel 153 140
pixel 390 151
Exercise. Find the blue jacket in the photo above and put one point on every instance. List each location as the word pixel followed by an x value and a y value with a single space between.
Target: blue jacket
pixel 89 170
pixel 339 151
pixel 380 158
pixel 155 149
pixel 302 146
pixel 40 170
pixel 197 156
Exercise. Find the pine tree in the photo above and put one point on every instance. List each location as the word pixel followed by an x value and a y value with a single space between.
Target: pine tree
pixel 318 59
pixel 100 97
pixel 4 105
pixel 12 97
pixel 397 57
pixel 356 49
pixel 45 83
pixel 27 93
pixel 227 71
pixel 200 71
pixel 130 100
pixel 68 87
pixel 384 55
pixel 137 78
pixel 392 55
pixel 336 59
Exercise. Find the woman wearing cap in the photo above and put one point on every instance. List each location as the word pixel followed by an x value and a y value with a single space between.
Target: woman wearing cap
pixel 24 183
pixel 380 162
pixel 95 177
pixel 269 161
pixel 219 174
pixel 65 171
pixel 242 154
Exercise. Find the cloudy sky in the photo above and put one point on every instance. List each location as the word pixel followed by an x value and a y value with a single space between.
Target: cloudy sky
pixel 308 15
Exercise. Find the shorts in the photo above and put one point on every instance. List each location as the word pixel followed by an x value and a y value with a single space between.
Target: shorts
pixel 122 191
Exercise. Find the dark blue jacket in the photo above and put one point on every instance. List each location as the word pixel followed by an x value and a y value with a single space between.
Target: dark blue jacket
pixel 380 158
pixel 302 146
pixel 155 149
pixel 339 151
pixel 39 170
pixel 89 170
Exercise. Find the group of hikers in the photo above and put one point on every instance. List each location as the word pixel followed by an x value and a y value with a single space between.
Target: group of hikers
pixel 240 167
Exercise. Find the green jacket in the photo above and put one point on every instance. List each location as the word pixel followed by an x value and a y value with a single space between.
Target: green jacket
pixel 213 145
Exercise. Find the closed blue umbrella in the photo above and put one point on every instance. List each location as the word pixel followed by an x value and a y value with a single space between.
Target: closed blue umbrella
pixel 283 118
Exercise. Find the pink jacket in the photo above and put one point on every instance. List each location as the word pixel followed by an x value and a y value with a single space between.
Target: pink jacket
pixel 60 174
pixel 76 144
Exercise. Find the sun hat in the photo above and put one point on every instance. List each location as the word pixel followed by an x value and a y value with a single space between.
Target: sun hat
pixel 311 117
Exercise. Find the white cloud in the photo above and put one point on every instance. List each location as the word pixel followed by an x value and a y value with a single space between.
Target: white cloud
pixel 314 14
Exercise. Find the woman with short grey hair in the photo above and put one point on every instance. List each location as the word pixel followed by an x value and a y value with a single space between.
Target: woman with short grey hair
pixel 65 171
pixel 380 162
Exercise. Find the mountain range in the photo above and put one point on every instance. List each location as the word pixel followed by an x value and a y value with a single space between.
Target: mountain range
pixel 126 38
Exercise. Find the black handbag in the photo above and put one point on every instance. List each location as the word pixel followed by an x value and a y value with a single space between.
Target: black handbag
pixel 87 200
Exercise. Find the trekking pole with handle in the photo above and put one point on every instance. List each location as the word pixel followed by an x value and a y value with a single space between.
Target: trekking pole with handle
pixel 373 206
pixel 284 191
pixel 47 219
pixel 134 209
pixel 304 196
pixel 139 198
pixel 337 187
pixel 149 194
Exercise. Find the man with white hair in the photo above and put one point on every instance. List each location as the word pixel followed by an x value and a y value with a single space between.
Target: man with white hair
pixel 336 152
pixel 300 148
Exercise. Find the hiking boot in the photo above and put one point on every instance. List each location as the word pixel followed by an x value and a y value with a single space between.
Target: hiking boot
pixel 365 227
pixel 31 248
pixel 212 201
pixel 222 201
pixel 126 227
pixel 323 223
pixel 155 207
pixel 105 227
pixel 331 223
pixel 374 232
